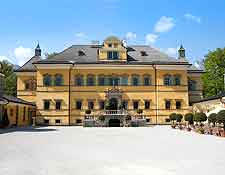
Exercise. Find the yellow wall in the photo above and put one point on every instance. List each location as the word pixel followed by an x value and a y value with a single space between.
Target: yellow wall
pixel 20 118
pixel 156 94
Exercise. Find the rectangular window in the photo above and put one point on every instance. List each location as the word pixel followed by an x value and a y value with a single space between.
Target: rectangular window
pixel 101 81
pixel 167 120
pixel 125 104
pixel 110 55
pixel 115 55
pixel 147 104
pixel 90 105
pixel 178 104
pixel 135 105
pixel 46 104
pixel 58 104
pixel 79 104
pixel 46 121
pixel 135 81
pixel 148 120
pixel 167 104
pixel 147 81
pixel 124 81
pixel 90 81
pixel 78 121
pixel 101 105
pixel 57 121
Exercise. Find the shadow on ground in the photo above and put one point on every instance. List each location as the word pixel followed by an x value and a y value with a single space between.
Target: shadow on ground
pixel 26 129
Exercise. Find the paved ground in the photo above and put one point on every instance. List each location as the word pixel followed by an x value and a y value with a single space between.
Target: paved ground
pixel 106 151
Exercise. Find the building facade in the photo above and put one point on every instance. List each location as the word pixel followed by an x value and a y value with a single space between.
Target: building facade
pixel 17 111
pixel 111 80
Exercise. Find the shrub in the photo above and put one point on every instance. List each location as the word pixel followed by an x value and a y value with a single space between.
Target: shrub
pixel 189 118
pixel 212 118
pixel 139 111
pixel 88 111
pixel 172 117
pixel 179 117
pixel 101 117
pixel 200 117
pixel 220 118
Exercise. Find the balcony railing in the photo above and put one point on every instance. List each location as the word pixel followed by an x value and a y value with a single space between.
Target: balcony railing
pixel 115 112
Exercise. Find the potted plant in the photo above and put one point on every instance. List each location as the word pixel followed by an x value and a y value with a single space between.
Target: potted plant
pixel 173 118
pixel 179 119
pixel 189 118
pixel 220 118
pixel 88 111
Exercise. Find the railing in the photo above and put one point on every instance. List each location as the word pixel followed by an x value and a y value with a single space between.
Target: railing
pixel 115 112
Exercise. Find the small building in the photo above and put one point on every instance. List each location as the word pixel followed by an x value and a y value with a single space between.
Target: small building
pixel 210 105
pixel 19 112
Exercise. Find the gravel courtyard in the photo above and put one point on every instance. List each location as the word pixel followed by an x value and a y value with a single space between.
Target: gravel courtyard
pixel 107 151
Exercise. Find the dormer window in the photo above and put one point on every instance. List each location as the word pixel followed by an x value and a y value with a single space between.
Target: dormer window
pixel 81 53
pixel 113 55
pixel 144 53
pixel 110 45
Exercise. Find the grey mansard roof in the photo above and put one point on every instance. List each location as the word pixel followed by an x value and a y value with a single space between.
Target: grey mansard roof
pixel 71 55
pixel 153 56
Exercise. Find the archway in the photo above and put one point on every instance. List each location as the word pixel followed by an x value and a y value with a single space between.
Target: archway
pixel 113 104
pixel 114 123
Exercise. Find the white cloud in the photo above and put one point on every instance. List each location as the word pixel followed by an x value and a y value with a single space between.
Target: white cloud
pixel 192 17
pixel 22 55
pixel 171 51
pixel 4 58
pixel 80 35
pixel 150 38
pixel 131 36
pixel 164 24
pixel 197 65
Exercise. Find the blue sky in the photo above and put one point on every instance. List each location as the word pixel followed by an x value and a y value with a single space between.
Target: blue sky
pixel 164 24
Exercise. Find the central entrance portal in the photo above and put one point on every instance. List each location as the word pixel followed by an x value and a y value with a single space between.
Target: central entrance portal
pixel 114 123
pixel 113 104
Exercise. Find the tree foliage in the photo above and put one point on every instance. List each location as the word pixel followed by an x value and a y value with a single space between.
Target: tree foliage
pixel 50 55
pixel 189 118
pixel 220 117
pixel 172 117
pixel 212 118
pixel 213 79
pixel 10 78
pixel 179 117
pixel 200 117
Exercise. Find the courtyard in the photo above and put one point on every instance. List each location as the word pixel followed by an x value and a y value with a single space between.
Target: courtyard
pixel 157 150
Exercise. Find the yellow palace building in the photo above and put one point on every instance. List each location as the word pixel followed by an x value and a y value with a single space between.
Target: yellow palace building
pixel 110 82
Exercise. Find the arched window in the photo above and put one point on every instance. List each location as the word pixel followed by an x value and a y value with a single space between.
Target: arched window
pixel 79 81
pixel 147 80
pixel 47 80
pixel 90 80
pixel 135 80
pixel 177 80
pixel 58 80
pixel 192 85
pixel 124 80
pixel 168 81
pixel 101 80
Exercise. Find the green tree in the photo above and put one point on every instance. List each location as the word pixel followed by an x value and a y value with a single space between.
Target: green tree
pixel 212 118
pixel 213 79
pixel 220 118
pixel 200 117
pixel 50 55
pixel 172 117
pixel 179 117
pixel 189 118
pixel 10 78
